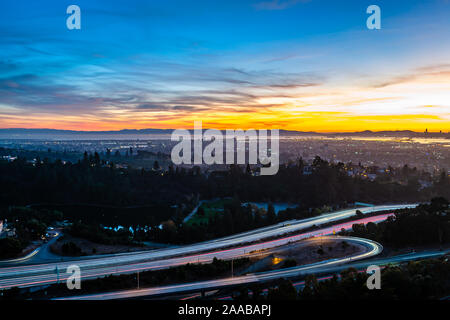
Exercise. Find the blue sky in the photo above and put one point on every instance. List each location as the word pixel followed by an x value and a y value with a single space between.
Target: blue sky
pixel 137 64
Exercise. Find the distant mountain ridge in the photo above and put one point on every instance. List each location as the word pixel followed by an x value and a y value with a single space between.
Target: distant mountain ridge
pixel 366 133
pixel 58 131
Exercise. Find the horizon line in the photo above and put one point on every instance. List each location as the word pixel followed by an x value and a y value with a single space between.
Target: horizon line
pixel 168 129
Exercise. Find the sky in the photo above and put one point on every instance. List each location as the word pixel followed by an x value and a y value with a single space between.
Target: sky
pixel 306 65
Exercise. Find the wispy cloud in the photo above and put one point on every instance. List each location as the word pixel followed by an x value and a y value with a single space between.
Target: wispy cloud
pixel 277 4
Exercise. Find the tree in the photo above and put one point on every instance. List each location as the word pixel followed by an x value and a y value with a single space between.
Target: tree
pixel 156 165
pixel 284 291
pixel 9 248
pixel 96 158
pixel 300 165
pixel 201 211
pixel 359 214
pixel 271 216
pixel 310 289
pixel 70 249
pixel 85 158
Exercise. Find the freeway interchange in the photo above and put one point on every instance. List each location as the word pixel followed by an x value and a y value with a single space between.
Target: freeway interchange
pixel 235 246
pixel 373 249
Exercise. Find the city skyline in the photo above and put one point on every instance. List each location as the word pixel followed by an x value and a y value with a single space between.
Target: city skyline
pixel 295 65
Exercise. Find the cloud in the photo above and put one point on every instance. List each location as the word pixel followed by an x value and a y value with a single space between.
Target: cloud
pixel 186 108
pixel 438 70
pixel 434 68
pixel 6 66
pixel 151 106
pixel 277 4
pixel 167 107
pixel 288 85
pixel 394 81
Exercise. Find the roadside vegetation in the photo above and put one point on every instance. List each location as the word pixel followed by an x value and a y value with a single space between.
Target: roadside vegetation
pixel 427 224
pixel 208 211
pixel 28 225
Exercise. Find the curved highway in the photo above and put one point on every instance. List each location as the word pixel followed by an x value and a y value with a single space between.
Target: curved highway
pixel 93 267
pixel 373 248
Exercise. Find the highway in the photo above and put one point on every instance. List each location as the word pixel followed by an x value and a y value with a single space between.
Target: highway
pixel 326 267
pixel 361 266
pixel 39 254
pixel 238 246
pixel 372 247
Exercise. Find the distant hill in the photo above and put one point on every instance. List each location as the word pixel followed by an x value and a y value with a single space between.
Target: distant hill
pixel 46 133
pixel 56 131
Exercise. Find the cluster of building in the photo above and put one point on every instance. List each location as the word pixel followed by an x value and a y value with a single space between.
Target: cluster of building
pixel 6 232
pixel 427 154
pixel 430 153
pixel 9 158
